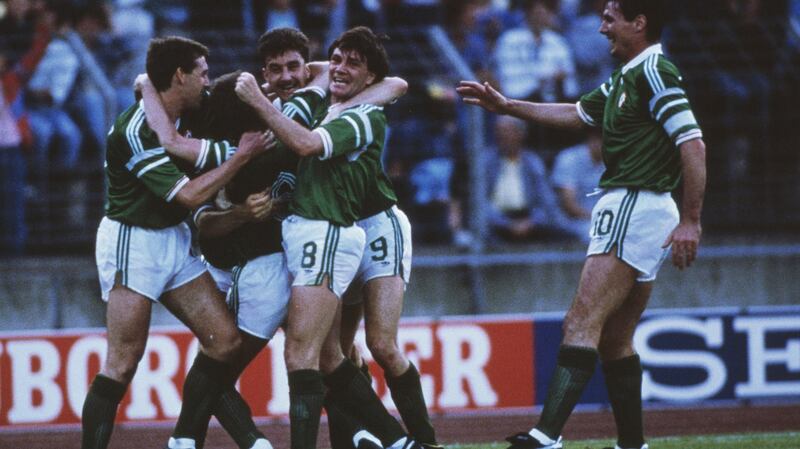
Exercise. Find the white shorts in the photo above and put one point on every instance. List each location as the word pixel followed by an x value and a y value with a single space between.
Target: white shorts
pixel 316 248
pixel 147 261
pixel 636 222
pixel 259 295
pixel 223 278
pixel 388 249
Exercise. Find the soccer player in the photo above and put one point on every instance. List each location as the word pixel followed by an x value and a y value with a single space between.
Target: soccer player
pixel 650 141
pixel 260 287
pixel 324 247
pixel 142 249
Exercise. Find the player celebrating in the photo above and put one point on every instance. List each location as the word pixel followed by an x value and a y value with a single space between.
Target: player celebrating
pixel 650 141
pixel 143 245
pixel 322 243
pixel 260 287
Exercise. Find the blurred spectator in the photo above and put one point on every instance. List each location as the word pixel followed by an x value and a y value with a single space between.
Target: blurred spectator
pixel 215 15
pixel 593 61
pixel 522 203
pixel 407 13
pixel 132 26
pixel 495 18
pixel 569 10
pixel 745 50
pixel 280 14
pixel 48 89
pixel 534 62
pixel 16 27
pixel 92 38
pixel 420 160
pixel 13 232
pixel 460 22
pixel 576 175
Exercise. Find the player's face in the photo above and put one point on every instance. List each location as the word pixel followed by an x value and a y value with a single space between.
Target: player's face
pixel 285 73
pixel 195 82
pixel 619 31
pixel 349 74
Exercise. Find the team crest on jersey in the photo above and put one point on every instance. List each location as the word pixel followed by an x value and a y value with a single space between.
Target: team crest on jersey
pixel 621 100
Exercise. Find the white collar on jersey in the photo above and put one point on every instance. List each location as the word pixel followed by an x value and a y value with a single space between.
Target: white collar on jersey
pixel 654 49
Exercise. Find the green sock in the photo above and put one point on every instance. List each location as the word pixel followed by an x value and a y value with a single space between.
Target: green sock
pixel 406 392
pixel 351 391
pixel 341 426
pixel 205 381
pixel 99 411
pixel 306 393
pixel 234 415
pixel 624 383
pixel 574 369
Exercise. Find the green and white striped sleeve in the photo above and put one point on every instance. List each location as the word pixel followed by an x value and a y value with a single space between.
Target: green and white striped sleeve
pixel 157 172
pixel 353 131
pixel 591 106
pixel 668 102
pixel 303 105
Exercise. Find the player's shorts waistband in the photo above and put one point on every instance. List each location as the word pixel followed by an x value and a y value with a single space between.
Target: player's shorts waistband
pixel 378 218
pixel 623 190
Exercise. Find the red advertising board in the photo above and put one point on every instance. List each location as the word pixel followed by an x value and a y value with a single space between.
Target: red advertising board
pixel 464 364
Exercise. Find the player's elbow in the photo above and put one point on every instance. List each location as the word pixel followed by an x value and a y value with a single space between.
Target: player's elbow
pixel 189 199
pixel 305 147
pixel 399 86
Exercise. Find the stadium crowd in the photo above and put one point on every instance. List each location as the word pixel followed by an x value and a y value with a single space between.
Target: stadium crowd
pixel 55 103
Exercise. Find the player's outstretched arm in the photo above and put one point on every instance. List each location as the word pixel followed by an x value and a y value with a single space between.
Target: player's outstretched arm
pixel 685 238
pixel 558 115
pixel 182 147
pixel 200 189
pixel 382 93
pixel 295 136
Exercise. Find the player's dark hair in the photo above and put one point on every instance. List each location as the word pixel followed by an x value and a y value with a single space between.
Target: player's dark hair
pixel 276 42
pixel 165 55
pixel 227 117
pixel 654 10
pixel 369 45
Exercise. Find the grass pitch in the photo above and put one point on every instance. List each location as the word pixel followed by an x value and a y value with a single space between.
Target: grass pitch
pixel 783 440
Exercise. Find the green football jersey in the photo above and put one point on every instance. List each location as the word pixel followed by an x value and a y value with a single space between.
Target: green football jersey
pixel 142 179
pixel 645 116
pixel 273 171
pixel 347 181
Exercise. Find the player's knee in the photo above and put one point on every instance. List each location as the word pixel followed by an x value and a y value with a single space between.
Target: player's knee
pixel 299 356
pixel 123 368
pixel 384 350
pixel 226 346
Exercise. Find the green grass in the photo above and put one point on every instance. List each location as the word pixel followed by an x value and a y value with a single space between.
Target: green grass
pixel 784 440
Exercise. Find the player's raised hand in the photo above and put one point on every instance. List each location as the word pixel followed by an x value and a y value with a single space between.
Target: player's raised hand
pixel 684 239
pixel 255 142
pixel 249 91
pixel 483 95
pixel 258 206
pixel 141 81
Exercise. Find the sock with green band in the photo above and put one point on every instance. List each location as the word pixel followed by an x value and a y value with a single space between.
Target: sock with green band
pixel 351 391
pixel 406 392
pixel 234 415
pixel 574 368
pixel 306 393
pixel 204 383
pixel 99 411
